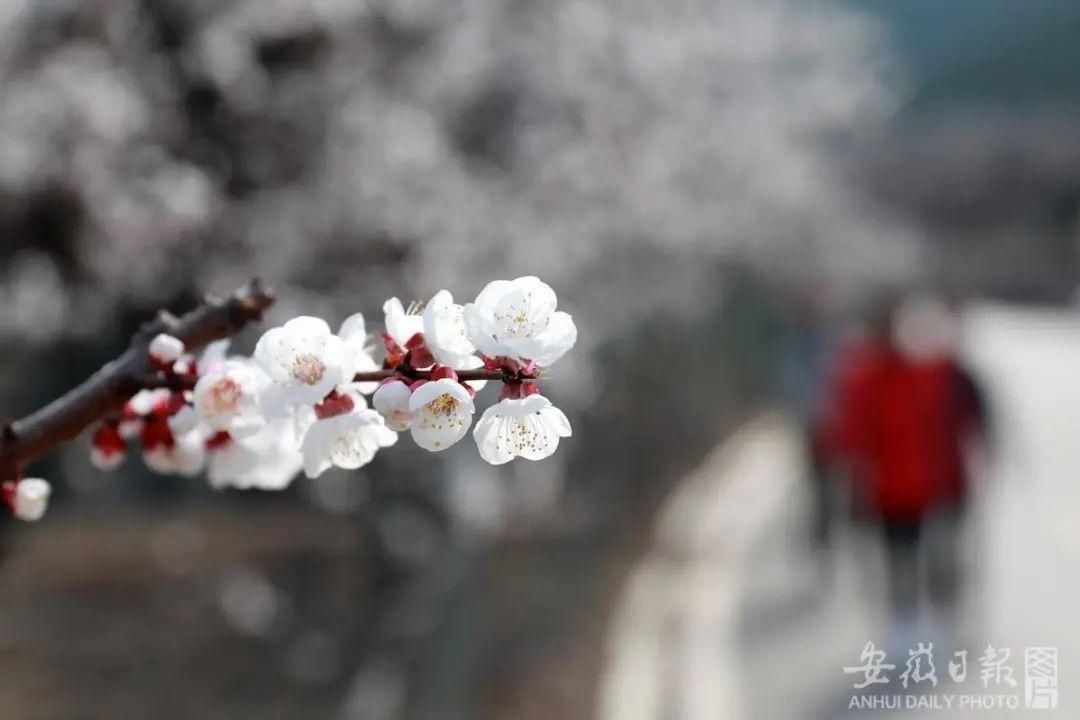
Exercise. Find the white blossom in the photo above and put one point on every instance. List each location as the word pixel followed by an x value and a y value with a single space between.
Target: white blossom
pixel 442 413
pixel 401 324
pixel 391 401
pixel 257 422
pixel 353 333
pixel 31 499
pixel 304 362
pixel 444 332
pixel 160 459
pixel 227 396
pixel 184 420
pixel 214 353
pixel 528 427
pixel 166 349
pixel 347 441
pixel 517 319
pixel 267 460
pixel 189 454
pixel 186 456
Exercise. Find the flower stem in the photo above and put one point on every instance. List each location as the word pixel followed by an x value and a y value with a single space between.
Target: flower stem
pixel 410 374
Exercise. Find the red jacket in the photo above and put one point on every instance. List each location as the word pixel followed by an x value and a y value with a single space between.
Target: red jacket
pixel 897 423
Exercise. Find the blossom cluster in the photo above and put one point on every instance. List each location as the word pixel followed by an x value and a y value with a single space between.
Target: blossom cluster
pixel 309 399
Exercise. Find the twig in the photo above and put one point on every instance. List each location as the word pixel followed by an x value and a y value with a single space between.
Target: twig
pixel 106 391
pixel 410 374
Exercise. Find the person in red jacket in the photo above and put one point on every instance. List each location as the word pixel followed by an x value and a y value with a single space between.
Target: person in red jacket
pixel 901 406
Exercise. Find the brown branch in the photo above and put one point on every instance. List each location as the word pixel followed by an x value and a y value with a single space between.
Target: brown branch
pixel 158 381
pixel 410 374
pixel 106 391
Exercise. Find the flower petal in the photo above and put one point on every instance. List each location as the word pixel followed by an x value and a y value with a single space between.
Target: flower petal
pixel 556 340
pixel 435 389
pixel 528 427
pixel 391 401
pixel 487 433
pixel 353 327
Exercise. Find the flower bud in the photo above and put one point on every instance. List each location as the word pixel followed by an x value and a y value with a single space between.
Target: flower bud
pixel 107 448
pixel 166 350
pixel 30 499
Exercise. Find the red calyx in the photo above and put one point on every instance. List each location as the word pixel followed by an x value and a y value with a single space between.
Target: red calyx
pixel 511 365
pixel 395 354
pixel 518 390
pixel 160 365
pixel 441 371
pixel 218 440
pixel 156 433
pixel 7 494
pixel 107 439
pixel 418 355
pixel 333 405
pixel 169 406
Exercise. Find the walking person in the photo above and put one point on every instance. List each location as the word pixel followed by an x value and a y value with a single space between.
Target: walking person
pixel 902 415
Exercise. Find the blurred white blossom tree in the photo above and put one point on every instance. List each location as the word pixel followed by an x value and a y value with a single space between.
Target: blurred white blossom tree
pixel 344 147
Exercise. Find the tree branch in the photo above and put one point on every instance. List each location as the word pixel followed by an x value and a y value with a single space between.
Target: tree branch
pixel 410 374
pixel 106 391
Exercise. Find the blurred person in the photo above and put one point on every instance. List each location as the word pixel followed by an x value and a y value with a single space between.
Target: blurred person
pixel 901 411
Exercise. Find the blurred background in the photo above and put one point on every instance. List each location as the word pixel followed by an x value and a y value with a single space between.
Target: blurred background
pixel 738 200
